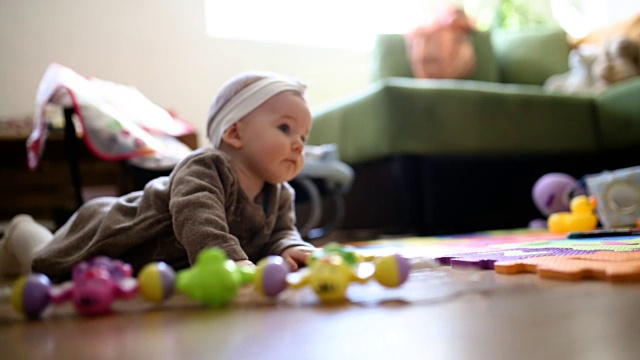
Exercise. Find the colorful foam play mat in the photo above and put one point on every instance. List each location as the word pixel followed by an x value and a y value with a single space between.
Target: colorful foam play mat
pixel 613 258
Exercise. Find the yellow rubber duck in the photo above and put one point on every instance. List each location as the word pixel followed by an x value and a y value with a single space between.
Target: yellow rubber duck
pixel 581 218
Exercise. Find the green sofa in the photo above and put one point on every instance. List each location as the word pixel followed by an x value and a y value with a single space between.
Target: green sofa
pixel 445 156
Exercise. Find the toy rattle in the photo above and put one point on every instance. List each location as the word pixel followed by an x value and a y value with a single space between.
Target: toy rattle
pixel 329 272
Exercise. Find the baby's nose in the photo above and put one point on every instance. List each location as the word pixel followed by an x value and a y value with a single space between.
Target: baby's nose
pixel 298 146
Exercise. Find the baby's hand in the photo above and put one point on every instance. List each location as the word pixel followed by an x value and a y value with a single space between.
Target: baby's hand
pixel 246 263
pixel 297 255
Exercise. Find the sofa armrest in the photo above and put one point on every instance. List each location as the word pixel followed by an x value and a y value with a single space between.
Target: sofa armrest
pixel 619 114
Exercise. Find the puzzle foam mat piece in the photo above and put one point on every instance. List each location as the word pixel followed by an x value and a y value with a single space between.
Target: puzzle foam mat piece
pixel 485 258
pixel 605 265
pixel 549 255
pixel 452 245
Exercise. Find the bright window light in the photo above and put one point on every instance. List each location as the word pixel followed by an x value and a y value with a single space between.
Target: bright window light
pixel 349 24
pixel 574 17
pixel 580 17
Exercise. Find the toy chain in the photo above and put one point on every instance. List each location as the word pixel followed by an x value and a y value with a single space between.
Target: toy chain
pixel 213 280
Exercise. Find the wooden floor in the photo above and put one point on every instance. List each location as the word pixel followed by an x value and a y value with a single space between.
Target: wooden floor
pixel 439 313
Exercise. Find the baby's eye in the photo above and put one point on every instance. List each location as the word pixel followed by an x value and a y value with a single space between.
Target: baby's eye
pixel 284 128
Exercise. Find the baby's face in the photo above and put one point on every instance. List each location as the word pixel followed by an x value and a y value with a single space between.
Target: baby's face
pixel 273 137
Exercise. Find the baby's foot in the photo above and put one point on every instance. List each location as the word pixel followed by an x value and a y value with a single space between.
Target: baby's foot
pixel 18 244
pixel 9 265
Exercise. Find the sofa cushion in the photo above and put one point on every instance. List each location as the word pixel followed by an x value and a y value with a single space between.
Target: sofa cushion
pixel 390 57
pixel 486 65
pixel 530 56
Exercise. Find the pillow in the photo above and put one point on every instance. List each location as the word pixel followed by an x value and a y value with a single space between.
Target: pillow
pixel 530 55
pixel 390 57
pixel 441 48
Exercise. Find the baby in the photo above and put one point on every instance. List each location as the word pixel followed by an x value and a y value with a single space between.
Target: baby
pixel 233 195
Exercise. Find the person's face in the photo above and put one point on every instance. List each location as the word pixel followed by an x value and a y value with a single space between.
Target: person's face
pixel 273 137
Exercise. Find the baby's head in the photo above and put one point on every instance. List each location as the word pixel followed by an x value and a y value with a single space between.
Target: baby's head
pixel 241 95
pixel 261 120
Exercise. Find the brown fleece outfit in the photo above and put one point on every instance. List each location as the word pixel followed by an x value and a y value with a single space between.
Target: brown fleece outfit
pixel 200 205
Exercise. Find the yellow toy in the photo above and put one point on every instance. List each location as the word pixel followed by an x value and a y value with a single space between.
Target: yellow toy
pixel 330 277
pixel 581 218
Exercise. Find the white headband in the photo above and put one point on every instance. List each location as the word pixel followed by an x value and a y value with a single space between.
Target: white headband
pixel 244 102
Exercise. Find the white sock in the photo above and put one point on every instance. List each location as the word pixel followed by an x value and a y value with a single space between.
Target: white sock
pixel 22 238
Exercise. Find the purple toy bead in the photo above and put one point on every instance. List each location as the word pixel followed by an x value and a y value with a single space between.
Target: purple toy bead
pixel 35 295
pixel 404 267
pixel 274 275
pixel 168 279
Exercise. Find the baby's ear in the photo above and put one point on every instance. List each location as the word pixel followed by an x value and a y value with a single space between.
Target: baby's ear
pixel 232 136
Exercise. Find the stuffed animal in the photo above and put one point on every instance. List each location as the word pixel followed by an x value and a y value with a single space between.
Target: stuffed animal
pixel 619 60
pixel 593 70
pixel 442 49
pixel 579 77
pixel 553 193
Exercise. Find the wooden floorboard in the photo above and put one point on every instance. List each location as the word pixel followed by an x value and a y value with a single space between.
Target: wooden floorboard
pixel 439 313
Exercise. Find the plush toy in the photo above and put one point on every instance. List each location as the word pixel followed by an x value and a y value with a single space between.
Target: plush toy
pixel 579 77
pixel 594 69
pixel 553 193
pixel 619 60
pixel 442 48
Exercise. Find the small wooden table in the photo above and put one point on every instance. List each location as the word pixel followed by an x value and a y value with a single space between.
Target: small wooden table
pixel 48 192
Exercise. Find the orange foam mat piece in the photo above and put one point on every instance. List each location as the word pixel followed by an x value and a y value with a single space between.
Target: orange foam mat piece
pixel 605 265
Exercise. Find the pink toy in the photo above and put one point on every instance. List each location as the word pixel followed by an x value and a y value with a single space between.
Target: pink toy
pixel 96 285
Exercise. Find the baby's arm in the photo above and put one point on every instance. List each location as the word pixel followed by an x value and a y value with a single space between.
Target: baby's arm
pixel 245 263
pixel 200 191
pixel 296 255
pixel 285 239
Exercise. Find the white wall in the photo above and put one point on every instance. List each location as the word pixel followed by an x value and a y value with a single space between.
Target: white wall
pixel 161 47
pixel 158 46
